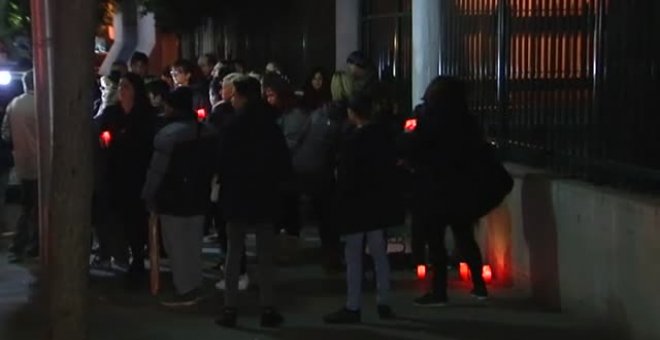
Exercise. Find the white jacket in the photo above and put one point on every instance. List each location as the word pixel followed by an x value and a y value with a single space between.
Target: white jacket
pixel 20 128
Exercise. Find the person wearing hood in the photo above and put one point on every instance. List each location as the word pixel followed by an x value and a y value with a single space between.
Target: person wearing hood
pixel 177 189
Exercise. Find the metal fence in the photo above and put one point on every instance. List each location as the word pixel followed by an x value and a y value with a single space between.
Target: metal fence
pixel 571 85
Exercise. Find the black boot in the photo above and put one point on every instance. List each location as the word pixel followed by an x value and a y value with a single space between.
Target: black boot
pixel 271 318
pixel 227 318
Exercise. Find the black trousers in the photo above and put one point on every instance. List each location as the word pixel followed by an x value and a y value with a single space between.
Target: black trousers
pixel 131 216
pixel 27 229
pixel 322 201
pixel 290 218
pixel 216 218
pixel 433 228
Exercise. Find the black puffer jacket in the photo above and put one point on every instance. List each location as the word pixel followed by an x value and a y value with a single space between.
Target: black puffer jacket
pixel 179 177
pixel 255 166
pixel 369 192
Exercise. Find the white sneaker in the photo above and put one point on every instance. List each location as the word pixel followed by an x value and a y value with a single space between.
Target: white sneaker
pixel 243 283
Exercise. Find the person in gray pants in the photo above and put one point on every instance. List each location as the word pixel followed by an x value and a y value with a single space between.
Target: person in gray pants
pixel 178 187
pixel 254 166
pixel 369 201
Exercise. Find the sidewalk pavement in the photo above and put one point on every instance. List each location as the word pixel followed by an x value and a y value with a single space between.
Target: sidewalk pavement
pixel 305 294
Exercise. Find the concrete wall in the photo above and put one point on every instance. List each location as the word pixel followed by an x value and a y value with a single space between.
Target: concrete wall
pixel 586 250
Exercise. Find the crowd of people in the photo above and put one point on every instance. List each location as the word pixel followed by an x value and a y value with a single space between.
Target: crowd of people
pixel 211 147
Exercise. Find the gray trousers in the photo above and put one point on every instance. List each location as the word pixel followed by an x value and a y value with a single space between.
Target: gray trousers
pixel 354 254
pixel 265 252
pixel 183 238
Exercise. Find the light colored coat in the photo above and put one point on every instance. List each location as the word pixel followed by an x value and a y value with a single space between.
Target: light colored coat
pixel 20 128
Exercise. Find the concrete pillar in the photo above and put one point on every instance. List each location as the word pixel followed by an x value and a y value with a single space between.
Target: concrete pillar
pixel 426 45
pixel 347 30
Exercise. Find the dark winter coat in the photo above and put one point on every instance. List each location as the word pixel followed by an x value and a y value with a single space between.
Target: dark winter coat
pixel 457 176
pixel 127 157
pixel 255 165
pixel 182 167
pixel 222 116
pixel 369 195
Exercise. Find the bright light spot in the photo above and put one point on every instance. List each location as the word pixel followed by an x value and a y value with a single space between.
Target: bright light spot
pixel 411 125
pixel 5 78
pixel 421 272
pixel 487 274
pixel 201 114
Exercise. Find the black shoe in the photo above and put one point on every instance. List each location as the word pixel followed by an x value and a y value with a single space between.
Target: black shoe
pixel 480 293
pixel 184 300
pixel 431 300
pixel 343 316
pixel 228 318
pixel 385 312
pixel 270 318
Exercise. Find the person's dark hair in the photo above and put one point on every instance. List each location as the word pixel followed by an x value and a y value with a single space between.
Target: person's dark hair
pixel 141 97
pixel 282 88
pixel 185 65
pixel 225 70
pixel 115 76
pixel 119 66
pixel 167 72
pixel 181 100
pixel 446 95
pixel 211 59
pixel 358 59
pixel 249 88
pixel 239 62
pixel 139 57
pixel 158 88
pixel 216 85
pixel 312 98
pixel 361 105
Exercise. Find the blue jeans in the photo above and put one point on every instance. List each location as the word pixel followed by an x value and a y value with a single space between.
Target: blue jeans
pixel 354 251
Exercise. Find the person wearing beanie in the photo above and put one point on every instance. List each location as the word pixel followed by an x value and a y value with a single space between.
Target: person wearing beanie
pixel 177 189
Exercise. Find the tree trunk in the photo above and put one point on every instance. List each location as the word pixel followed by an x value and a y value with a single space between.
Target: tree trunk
pixel 71 67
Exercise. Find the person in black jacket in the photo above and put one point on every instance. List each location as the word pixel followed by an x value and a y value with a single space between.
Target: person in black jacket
pixel 369 201
pixel 255 164
pixel 126 133
pixel 177 188
pixel 222 115
pixel 443 151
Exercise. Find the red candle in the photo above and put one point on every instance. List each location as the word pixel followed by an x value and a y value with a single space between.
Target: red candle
pixel 201 114
pixel 411 125
pixel 464 271
pixel 106 138
pixel 487 274
pixel 421 272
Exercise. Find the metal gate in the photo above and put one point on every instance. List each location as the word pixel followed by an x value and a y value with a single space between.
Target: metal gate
pixel 567 84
